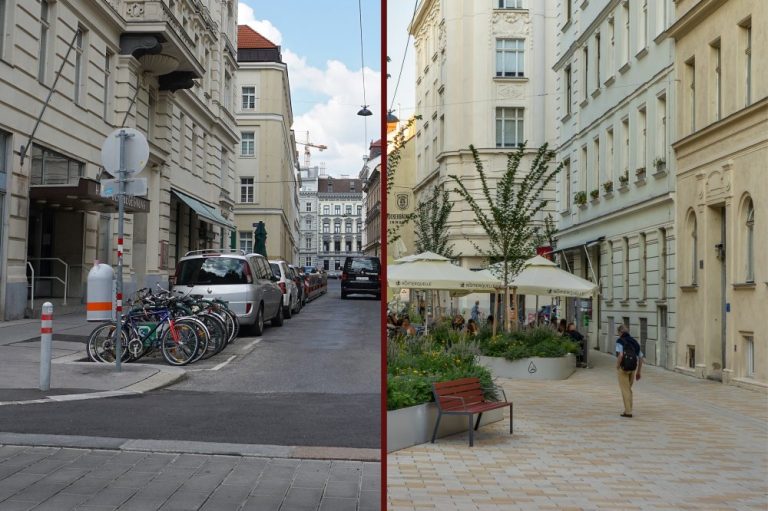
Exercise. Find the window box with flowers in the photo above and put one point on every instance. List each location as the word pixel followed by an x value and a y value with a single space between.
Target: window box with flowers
pixel 580 199
pixel 660 164
pixel 624 181
pixel 595 194
pixel 608 189
pixel 640 174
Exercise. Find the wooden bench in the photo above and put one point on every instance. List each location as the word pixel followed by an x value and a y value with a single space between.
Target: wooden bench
pixel 466 396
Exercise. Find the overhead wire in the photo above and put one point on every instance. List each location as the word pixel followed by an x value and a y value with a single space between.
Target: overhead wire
pixel 405 53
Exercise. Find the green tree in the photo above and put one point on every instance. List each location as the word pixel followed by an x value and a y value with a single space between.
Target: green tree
pixel 508 215
pixel 431 223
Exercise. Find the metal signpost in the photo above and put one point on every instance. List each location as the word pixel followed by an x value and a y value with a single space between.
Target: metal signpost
pixel 125 151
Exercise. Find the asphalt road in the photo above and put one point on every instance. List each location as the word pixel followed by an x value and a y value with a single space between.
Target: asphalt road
pixel 314 381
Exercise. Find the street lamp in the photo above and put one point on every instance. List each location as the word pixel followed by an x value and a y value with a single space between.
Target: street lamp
pixel 364 112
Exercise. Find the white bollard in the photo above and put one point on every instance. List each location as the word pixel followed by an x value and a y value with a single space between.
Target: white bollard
pixel 46 340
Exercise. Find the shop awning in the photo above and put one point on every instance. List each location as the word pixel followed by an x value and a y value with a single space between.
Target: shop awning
pixel 83 196
pixel 205 211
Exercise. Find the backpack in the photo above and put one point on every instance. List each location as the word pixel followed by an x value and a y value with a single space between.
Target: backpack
pixel 629 361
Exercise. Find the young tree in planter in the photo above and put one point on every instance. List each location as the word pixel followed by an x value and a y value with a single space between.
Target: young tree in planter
pixel 431 223
pixel 507 214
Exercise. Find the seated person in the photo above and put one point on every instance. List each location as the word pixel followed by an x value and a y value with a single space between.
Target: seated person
pixel 458 322
pixel 472 327
pixel 578 339
pixel 406 327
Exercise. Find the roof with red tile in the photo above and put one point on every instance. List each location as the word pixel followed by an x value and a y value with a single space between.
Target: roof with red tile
pixel 250 39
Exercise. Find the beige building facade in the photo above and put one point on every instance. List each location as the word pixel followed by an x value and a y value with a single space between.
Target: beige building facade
pixel 267 165
pixel 163 67
pixel 401 199
pixel 481 68
pixel 722 191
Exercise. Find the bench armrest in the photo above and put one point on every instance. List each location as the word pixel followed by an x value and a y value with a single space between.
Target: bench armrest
pixel 497 388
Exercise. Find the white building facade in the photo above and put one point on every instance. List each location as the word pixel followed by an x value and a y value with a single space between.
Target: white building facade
pixel 163 67
pixel 340 224
pixel 615 196
pixel 308 217
pixel 481 68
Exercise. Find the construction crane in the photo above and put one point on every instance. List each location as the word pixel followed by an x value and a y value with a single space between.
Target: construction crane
pixel 307 145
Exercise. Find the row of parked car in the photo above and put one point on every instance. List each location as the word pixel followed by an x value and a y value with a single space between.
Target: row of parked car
pixel 256 289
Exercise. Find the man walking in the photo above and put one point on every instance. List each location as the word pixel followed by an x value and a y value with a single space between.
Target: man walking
pixel 629 360
pixel 475 314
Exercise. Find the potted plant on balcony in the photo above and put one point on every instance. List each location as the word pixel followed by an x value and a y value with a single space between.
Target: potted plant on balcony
pixel 580 198
pixel 640 173
pixel 608 187
pixel 624 180
pixel 660 164
pixel 595 194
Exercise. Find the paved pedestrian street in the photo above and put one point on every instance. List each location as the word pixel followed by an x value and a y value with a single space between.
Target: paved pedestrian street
pixel 58 479
pixel 692 444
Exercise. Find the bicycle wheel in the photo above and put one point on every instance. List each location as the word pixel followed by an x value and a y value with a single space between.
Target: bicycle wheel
pixel 233 325
pixel 179 349
pixel 203 335
pixel 218 333
pixel 101 343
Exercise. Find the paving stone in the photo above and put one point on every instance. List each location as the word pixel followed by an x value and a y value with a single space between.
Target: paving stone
pixel 16 505
pixel 303 497
pixel 61 502
pixel 227 497
pixel 184 501
pixel 370 499
pixel 695 444
pixel 338 504
pixel 263 503
pixel 111 496
pixel 342 489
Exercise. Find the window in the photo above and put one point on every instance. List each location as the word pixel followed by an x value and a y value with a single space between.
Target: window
pixel 661 16
pixel 227 93
pixel 596 170
pixel 326 228
pixel 248 144
pixel 52 168
pixel 359 210
pixel 337 228
pixel 567 183
pixel 643 267
pixel 348 227
pixel 612 49
pixel 326 265
pixel 568 90
pixel 583 167
pixel 510 4
pixel 693 241
pixel 510 57
pixel 330 186
pixel 359 246
pixel 309 206
pixel 690 72
pixel 662 242
pixel 246 189
pixel 151 114
pixel 78 78
pixel 352 186
pixel 337 246
pixel 182 140
pixel 337 209
pixel 107 99
pixel 348 246
pixel 308 242
pixel 45 28
pixel 585 69
pixel 643 35
pixel 597 61
pixel 661 123
pixel 625 34
pixel 224 170
pixel 642 146
pixel 568 11
pixel 749 355
pixel 246 241
pixel 249 98
pixel 749 213
pixel 308 222
pixel 643 335
pixel 609 163
pixel 308 261
pixel 609 274
pixel 625 146
pixel 717 102
pixel 348 210
pixel 195 144
pixel 5 139
pixel 509 127
pixel 747 36
pixel 625 268
pixel 357 226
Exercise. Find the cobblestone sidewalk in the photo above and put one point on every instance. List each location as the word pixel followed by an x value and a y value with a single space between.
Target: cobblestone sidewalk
pixel 692 444
pixel 60 479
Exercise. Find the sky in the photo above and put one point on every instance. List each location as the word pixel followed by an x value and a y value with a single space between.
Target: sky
pixel 320 43
pixel 399 15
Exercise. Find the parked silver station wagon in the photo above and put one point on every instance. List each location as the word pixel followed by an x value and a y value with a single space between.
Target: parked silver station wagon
pixel 245 281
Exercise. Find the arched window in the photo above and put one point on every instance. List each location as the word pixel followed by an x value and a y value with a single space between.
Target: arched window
pixel 693 240
pixel 749 225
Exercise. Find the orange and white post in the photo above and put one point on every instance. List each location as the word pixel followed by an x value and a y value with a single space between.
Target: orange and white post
pixel 46 341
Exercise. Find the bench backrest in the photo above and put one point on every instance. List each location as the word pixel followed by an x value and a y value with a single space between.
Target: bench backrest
pixel 468 389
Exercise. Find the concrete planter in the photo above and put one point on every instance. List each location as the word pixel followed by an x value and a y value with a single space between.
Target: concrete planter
pixel 534 368
pixel 413 425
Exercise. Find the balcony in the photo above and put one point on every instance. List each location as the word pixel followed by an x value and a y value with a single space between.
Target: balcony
pixel 164 45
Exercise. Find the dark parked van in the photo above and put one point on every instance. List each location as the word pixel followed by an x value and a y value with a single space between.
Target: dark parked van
pixel 361 275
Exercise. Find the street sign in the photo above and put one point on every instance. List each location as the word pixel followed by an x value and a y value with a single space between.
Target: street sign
pixel 136 187
pixel 136 151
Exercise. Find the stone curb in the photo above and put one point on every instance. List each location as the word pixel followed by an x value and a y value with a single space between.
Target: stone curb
pixel 189 447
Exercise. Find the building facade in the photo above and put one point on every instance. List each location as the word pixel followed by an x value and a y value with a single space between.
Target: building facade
pixel 370 176
pixel 340 211
pixel 480 70
pixel 400 196
pixel 165 68
pixel 615 195
pixel 308 217
pixel 722 192
pixel 266 165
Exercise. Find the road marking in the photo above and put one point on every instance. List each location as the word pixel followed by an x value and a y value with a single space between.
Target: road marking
pixel 216 368
pixel 251 344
